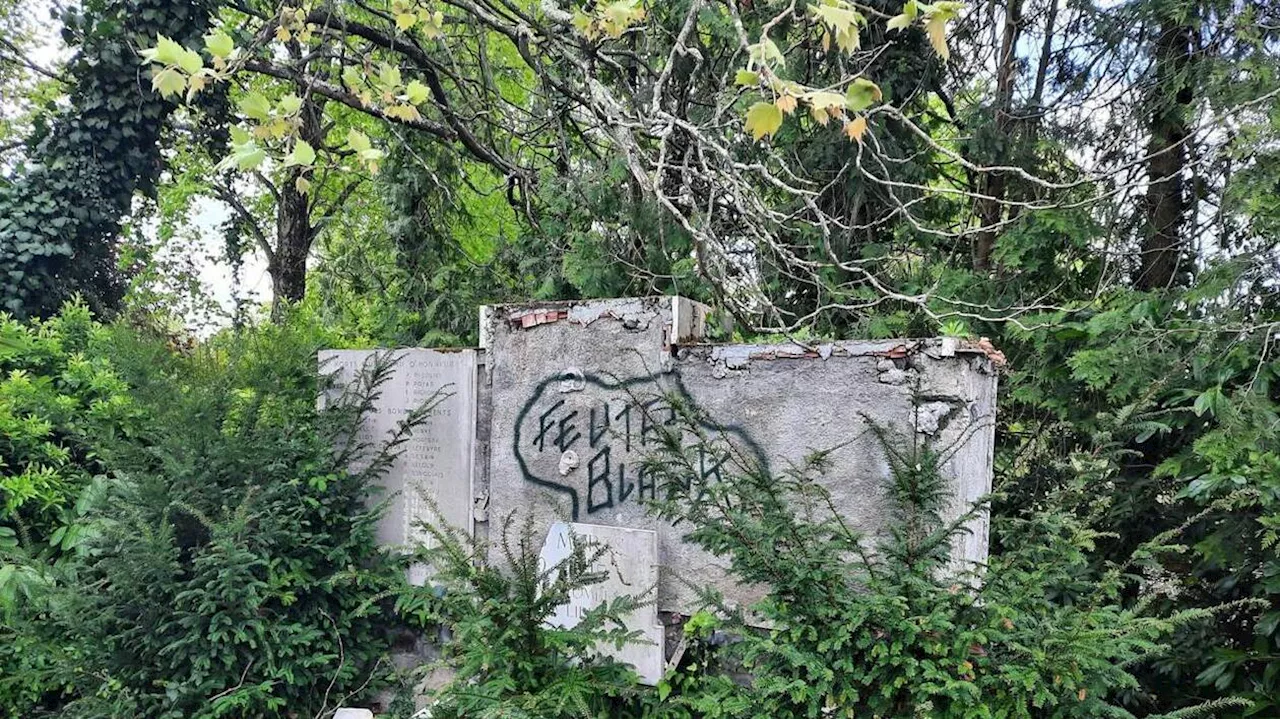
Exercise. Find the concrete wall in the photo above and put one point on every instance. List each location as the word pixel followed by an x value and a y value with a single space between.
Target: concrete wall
pixel 574 390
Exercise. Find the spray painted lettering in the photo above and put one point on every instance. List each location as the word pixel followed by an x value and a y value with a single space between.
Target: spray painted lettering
pixel 615 425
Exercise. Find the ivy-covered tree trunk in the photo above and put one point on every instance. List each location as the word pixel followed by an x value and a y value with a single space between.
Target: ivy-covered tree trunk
pixel 1166 201
pixel 295 230
pixel 60 213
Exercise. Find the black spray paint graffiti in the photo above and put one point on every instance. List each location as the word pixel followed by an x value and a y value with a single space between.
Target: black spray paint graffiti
pixel 614 424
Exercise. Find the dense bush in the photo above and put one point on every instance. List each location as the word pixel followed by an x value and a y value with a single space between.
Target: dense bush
pixel 55 394
pixel 856 627
pixel 901 630
pixel 231 566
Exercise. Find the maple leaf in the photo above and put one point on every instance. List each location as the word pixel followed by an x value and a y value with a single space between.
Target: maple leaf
pixel 218 44
pixel 856 128
pixel 168 81
pixel 763 120
pixel 862 93
pixel 302 154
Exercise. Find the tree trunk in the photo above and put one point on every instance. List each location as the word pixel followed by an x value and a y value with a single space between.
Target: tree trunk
pixel 294 230
pixel 991 185
pixel 1166 201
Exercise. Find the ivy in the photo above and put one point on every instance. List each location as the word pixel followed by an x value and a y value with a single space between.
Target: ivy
pixel 60 214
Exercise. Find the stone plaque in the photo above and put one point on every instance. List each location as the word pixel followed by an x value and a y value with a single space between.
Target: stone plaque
pixel 631 566
pixel 437 460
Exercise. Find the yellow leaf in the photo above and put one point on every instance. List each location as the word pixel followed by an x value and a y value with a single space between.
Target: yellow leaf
pixel 407 113
pixel 819 114
pixel 406 20
pixel 302 184
pixel 842 21
pixel 763 120
pixel 283 34
pixel 786 103
pixel 617 17
pixel 936 26
pixel 196 84
pixel 899 22
pixel 585 24
pixel 1082 693
pixel 277 128
pixel 856 128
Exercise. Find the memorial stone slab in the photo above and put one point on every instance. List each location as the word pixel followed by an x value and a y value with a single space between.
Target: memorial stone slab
pixel 437 460
pixel 630 568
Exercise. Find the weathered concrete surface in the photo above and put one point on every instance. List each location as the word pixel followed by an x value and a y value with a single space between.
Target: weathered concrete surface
pixel 558 370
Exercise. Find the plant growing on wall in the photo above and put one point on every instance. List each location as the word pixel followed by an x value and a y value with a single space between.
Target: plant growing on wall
pixel 893 627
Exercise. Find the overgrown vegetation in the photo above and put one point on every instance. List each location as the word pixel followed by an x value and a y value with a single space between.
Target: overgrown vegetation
pixel 226 562
pixel 1091 185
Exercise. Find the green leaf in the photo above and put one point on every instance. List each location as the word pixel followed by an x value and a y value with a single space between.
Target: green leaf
pixel 218 44
pixel 190 62
pixel 358 141
pixel 862 93
pixel 249 157
pixel 416 92
pixel 166 52
pixel 389 76
pixel 747 78
pixel 255 105
pixel 763 120
pixel 352 78
pixel 290 105
pixel 168 81
pixel 302 154
pixel 765 53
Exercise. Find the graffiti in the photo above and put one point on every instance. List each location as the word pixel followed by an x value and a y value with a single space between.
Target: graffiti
pixel 614 425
